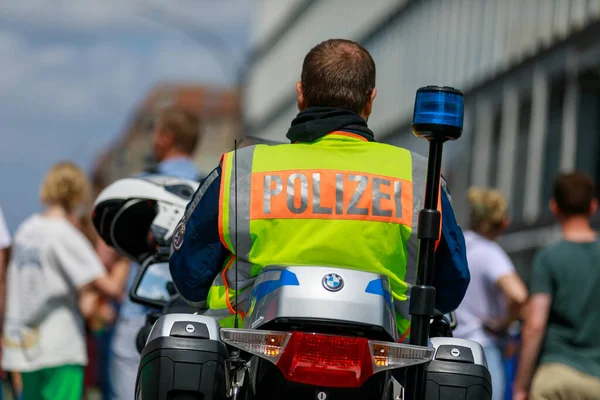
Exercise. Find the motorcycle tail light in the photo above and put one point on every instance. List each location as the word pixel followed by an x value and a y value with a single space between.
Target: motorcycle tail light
pixel 265 344
pixel 326 360
pixel 388 355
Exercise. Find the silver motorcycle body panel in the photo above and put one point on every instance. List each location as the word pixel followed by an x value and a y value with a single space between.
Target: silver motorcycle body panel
pixel 163 326
pixel 322 293
pixel 476 348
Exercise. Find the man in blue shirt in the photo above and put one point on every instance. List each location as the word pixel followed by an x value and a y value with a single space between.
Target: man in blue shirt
pixel 198 252
pixel 175 140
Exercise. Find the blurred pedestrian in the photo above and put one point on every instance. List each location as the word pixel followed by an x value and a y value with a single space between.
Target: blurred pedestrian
pixel 496 293
pixel 101 322
pixel 562 321
pixel 4 250
pixel 52 279
pixel 118 269
pixel 175 139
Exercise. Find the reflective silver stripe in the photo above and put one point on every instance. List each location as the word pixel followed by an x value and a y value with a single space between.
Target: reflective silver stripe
pixel 200 193
pixel 240 207
pixel 339 194
pixel 317 208
pixel 402 308
pixel 363 182
pixel 244 178
pixel 243 275
pixel 398 198
pixel 419 174
pixel 291 198
pixel 378 196
pixel 244 282
pixel 270 192
pixel 445 189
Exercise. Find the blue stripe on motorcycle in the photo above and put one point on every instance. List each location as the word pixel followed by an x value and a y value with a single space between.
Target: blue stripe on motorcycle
pixel 376 287
pixel 286 278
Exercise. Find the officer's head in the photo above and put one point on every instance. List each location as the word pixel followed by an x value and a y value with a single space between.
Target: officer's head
pixel 176 133
pixel 338 73
pixel 573 196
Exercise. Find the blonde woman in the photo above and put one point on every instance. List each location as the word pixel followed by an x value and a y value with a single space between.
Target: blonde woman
pixel 52 280
pixel 496 293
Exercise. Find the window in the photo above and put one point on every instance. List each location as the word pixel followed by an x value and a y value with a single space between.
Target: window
pixel 495 148
pixel 519 173
pixel 553 140
pixel 588 112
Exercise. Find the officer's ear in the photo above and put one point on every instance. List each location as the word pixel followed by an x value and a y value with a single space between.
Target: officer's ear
pixel 301 101
pixel 369 106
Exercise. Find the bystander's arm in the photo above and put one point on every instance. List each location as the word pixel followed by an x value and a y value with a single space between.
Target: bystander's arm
pixel 93 297
pixel 515 292
pixel 532 336
pixel 88 300
pixel 536 320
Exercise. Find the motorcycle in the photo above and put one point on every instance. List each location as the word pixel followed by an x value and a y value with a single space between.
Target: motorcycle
pixel 306 354
pixel 310 332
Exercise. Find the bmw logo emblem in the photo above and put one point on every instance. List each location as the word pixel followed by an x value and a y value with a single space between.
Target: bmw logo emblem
pixel 333 282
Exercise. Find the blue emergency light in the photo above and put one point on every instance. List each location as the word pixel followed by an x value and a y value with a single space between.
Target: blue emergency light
pixel 439 113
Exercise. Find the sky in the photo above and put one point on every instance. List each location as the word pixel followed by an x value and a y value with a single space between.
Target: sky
pixel 73 70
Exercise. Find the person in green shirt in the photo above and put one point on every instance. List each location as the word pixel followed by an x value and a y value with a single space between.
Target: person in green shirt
pixel 561 331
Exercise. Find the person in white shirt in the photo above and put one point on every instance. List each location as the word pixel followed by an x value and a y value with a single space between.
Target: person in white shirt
pixel 53 279
pixel 4 250
pixel 5 241
pixel 496 294
pixel 4 234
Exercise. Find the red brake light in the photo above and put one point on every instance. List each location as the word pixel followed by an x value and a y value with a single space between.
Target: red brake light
pixel 325 360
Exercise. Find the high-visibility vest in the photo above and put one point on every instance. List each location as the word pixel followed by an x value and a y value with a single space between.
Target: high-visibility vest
pixel 340 201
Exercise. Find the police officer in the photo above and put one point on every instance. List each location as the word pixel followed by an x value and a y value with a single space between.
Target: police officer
pixel 334 196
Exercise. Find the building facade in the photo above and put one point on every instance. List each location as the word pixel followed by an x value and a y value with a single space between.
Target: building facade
pixel 530 71
pixel 219 111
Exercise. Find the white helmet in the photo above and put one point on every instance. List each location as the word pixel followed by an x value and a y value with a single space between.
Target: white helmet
pixel 137 216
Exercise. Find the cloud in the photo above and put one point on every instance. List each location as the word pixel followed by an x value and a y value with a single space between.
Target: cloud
pixel 124 15
pixel 74 82
pixel 72 71
pixel 50 68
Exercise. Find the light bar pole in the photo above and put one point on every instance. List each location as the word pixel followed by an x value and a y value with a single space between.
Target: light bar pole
pixel 438 117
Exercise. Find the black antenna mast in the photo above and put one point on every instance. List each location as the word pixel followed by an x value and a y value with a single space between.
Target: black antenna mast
pixel 236 230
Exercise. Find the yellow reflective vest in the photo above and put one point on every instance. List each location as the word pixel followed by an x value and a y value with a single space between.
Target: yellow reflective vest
pixel 340 201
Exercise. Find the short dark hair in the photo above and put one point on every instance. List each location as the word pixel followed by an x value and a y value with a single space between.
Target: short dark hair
pixel 573 193
pixel 184 125
pixel 338 73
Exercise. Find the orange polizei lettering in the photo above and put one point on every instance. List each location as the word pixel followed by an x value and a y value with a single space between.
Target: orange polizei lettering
pixel 329 194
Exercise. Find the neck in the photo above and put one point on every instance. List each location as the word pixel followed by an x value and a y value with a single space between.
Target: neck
pixel 578 229
pixel 489 236
pixel 56 210
pixel 315 122
pixel 174 153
